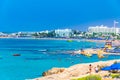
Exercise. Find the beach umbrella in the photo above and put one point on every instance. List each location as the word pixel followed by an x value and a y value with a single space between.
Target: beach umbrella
pixel 115 66
pixel 107 68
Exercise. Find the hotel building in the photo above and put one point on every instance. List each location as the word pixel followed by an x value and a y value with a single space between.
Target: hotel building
pixel 103 29
pixel 64 33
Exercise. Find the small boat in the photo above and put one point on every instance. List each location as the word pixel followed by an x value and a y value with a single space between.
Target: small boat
pixel 88 55
pixel 16 55
pixel 69 40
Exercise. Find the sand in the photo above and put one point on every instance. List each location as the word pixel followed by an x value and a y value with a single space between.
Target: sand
pixel 114 43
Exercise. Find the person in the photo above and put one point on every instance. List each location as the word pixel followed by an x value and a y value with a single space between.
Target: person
pixel 96 69
pixel 105 49
pixel 100 53
pixel 90 68
pixel 82 51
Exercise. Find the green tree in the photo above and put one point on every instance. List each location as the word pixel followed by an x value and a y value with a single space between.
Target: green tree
pixel 35 35
pixel 51 34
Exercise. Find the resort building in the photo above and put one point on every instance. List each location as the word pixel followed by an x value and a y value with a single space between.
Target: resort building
pixel 44 31
pixel 3 34
pixel 12 35
pixel 64 33
pixel 25 34
pixel 103 29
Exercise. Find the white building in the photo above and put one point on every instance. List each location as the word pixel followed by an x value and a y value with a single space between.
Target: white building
pixel 3 34
pixel 103 29
pixel 63 33
pixel 44 31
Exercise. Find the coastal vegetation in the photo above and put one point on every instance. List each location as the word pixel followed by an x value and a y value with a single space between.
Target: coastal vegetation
pixel 90 77
pixel 115 75
pixel 79 34
pixel 61 33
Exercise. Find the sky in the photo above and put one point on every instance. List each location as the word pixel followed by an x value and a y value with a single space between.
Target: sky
pixel 38 15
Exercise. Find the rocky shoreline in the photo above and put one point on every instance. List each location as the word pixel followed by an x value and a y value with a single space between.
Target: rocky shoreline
pixel 78 70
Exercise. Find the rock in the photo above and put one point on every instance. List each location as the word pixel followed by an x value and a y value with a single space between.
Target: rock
pixel 53 71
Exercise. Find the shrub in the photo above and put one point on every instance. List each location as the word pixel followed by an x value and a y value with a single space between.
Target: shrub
pixel 90 77
pixel 115 75
pixel 93 77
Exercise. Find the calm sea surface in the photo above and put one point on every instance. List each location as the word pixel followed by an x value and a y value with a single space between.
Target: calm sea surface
pixel 38 56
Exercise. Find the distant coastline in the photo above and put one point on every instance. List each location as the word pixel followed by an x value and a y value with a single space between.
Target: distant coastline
pixel 73 39
pixel 115 42
pixel 76 39
pixel 40 38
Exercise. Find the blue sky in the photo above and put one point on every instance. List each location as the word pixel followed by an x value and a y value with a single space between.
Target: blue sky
pixel 36 15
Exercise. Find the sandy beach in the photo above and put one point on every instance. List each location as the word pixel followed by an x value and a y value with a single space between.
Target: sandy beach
pixel 114 43
pixel 78 70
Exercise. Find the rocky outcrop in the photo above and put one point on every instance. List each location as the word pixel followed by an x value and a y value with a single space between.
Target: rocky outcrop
pixel 78 70
pixel 53 71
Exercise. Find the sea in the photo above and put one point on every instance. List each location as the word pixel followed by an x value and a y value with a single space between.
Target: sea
pixel 37 56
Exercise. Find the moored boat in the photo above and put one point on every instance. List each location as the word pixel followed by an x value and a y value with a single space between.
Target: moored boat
pixel 16 55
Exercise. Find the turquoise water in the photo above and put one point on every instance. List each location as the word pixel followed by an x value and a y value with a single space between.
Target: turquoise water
pixel 38 56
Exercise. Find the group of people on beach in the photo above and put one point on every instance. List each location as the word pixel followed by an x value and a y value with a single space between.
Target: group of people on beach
pixel 96 69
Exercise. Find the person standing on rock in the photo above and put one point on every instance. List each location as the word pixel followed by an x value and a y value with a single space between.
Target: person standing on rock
pixel 96 69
